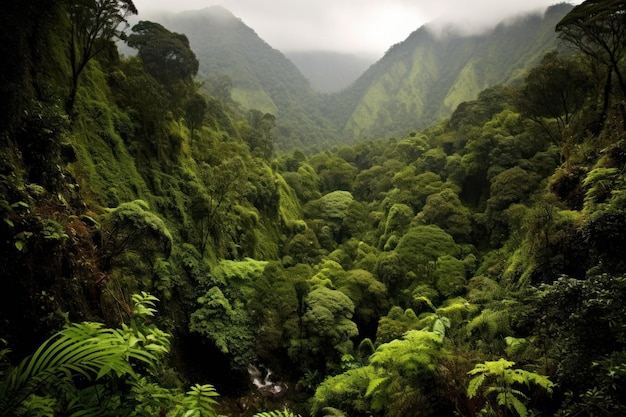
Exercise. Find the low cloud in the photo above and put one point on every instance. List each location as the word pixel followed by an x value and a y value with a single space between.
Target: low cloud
pixel 356 26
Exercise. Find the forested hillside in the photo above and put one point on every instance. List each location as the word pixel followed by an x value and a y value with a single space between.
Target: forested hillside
pixel 422 79
pixel 239 65
pixel 416 83
pixel 160 257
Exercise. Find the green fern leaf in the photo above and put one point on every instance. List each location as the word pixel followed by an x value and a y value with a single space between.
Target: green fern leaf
pixel 374 384
pixel 333 412
pixel 512 402
pixel 276 413
pixel 474 384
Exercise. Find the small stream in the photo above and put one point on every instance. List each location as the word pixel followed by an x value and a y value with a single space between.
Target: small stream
pixel 261 377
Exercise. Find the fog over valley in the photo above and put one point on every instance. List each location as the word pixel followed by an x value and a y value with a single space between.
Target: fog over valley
pixel 359 27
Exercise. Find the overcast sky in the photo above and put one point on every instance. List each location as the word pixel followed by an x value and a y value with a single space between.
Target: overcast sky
pixel 359 26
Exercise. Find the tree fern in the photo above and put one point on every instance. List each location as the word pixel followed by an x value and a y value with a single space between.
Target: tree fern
pixel 502 382
pixel 199 401
pixel 490 323
pixel 89 350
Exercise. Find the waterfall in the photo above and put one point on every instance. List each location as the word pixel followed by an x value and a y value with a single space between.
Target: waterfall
pixel 264 383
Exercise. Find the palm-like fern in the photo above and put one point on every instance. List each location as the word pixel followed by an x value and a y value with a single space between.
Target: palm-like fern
pixel 86 350
pixel 497 378
pixel 401 367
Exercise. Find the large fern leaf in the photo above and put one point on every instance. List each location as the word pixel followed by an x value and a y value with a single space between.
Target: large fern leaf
pixel 374 385
pixel 276 413
pixel 86 349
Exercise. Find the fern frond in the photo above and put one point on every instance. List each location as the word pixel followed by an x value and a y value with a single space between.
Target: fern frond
pixel 474 384
pixel 86 349
pixel 36 405
pixel 200 400
pixel 277 413
pixel 333 412
pixel 374 385
pixel 541 380
pixel 512 402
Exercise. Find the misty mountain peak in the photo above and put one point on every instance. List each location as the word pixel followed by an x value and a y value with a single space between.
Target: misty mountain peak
pixel 217 15
pixel 219 12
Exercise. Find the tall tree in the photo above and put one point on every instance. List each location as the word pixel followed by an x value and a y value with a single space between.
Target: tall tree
pixel 166 55
pixel 598 29
pixel 213 200
pixel 554 90
pixel 195 111
pixel 93 24
pixel 261 139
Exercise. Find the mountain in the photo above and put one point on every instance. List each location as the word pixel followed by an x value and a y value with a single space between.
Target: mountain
pixel 422 79
pixel 416 83
pixel 330 71
pixel 262 77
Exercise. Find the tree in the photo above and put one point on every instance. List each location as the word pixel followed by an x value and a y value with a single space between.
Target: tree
pixel 368 295
pixel 195 110
pixel 276 307
pixel 504 385
pixel 166 55
pixel 583 323
pixel 220 86
pixel 398 221
pixel 337 174
pixel 225 325
pixel 131 227
pixel 396 323
pixel 450 276
pixel 212 199
pixel 94 24
pixel 148 102
pixel 420 248
pixel 445 210
pixel 326 330
pixel 554 90
pixel 509 187
pixel 598 29
pixel 261 139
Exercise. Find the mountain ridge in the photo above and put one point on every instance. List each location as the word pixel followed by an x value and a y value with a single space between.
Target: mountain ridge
pixel 426 68
pixel 416 83
pixel 262 77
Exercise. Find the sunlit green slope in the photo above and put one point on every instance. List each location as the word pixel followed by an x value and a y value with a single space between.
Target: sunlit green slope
pixel 262 77
pixel 422 79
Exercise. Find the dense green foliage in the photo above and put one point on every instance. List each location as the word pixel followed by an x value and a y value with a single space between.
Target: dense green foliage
pixel 238 65
pixel 474 268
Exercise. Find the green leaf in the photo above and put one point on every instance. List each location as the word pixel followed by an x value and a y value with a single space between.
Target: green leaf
pixel 20 245
pixel 439 328
pixel 474 384
pixel 512 402
pixel 374 384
